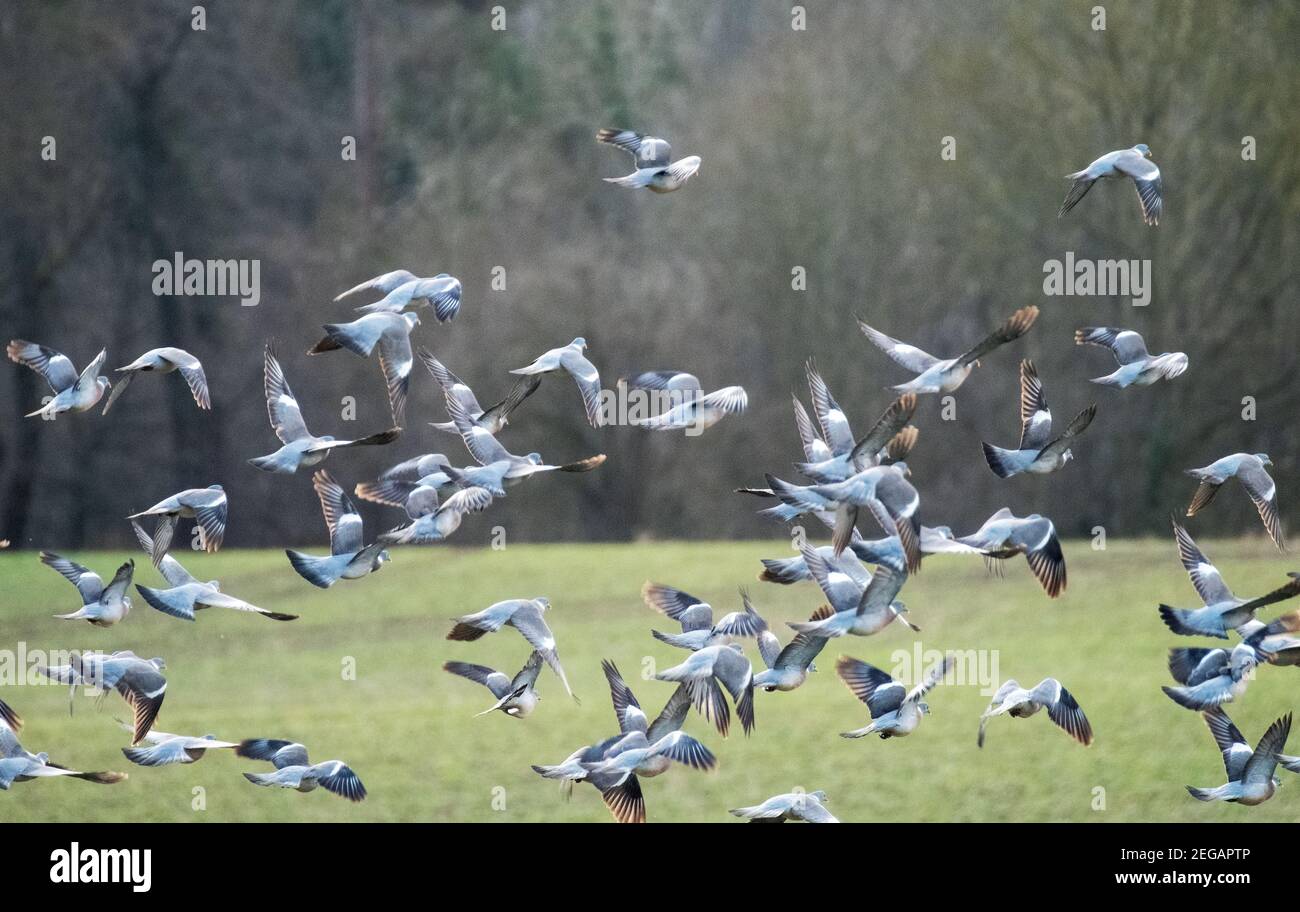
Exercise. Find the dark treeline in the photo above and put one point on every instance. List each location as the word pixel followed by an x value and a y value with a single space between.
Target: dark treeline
pixel 475 155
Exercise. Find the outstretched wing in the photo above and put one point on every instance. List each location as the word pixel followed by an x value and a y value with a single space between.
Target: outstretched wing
pixel 281 406
pixel 908 356
pixel 341 516
pixel 1016 326
pixel 1035 416
pixel 648 151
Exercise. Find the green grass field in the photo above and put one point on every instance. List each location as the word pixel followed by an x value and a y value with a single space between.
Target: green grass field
pixel 408 730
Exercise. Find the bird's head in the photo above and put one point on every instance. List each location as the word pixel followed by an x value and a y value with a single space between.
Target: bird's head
pixel 819 795
pixel 215 488
pixel 535 458
pixel 215 584
pixel 1067 456
pixel 412 319
pixel 382 558
pixel 543 602
pixel 1263 458
pixel 924 707
pixel 579 343
pixel 126 605
pixel 158 663
pixel 903 467
pixel 1142 147
pixel 103 384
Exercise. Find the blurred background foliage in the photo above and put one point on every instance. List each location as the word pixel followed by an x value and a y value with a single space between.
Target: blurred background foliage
pixel 821 150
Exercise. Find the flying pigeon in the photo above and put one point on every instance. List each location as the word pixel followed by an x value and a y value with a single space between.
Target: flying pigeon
pixel 788 666
pixel 19 765
pixel 497 467
pixel 1250 471
pixel 654 168
pixel 164 361
pixel 699 414
pixel 1132 163
pixel 865 613
pixel 294 771
pixel 166 749
pixel 441 292
pixel 656 746
pixel 1210 677
pixel 414 485
pixel 571 360
pixel 491 419
pixel 100 605
pixel 516 697
pixel 938 376
pixel 439 520
pixel 206 506
pixel 350 557
pixel 895 711
pixel 139 681
pixel 1004 535
pixel 525 615
pixel 187 595
pixel 1013 700
pixel 72 393
pixel 1223 611
pixel 806 806
pixel 704 670
pixel 301 447
pixel 696 618
pixel 390 333
pixel 1039 452
pixel 1137 367
pixel 1250 773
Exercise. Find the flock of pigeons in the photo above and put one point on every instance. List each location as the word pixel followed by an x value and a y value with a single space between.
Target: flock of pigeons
pixel 851 481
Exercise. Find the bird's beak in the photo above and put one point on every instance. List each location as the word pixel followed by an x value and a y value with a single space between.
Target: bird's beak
pixel 977 362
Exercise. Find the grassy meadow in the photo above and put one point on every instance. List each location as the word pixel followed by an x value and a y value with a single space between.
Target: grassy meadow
pixel 408 728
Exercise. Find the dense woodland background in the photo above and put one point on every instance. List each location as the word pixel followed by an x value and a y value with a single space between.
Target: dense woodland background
pixel 821 149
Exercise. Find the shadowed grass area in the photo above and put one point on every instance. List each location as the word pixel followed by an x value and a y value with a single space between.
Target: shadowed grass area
pixel 407 727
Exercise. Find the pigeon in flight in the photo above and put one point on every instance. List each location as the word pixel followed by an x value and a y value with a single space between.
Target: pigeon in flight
pixel 100 605
pixel 654 168
pixel 697 415
pixel 390 333
pixel 858 611
pixel 165 749
pixel 441 292
pixel 187 595
pixel 19 765
pixel 1039 452
pixel 433 521
pixel 1137 366
pixel 1211 677
pixel 571 360
pixel 1004 535
pixel 704 670
pixel 652 748
pixel 806 806
pixel 895 711
pixel 516 697
pixel 1250 773
pixel 1013 700
pixel 301 447
pixel 139 681
pixel 165 361
pixel 497 467
pixel 1249 470
pixel 294 771
pixel 491 419
pixel 696 618
pixel 1132 163
pixel 788 666
pixel 934 375
pixel 72 393
pixel 350 557
pixel 525 615
pixel 414 485
pixel 206 506
pixel 1223 611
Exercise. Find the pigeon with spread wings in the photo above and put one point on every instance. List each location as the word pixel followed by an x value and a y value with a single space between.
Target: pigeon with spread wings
pixel 1251 472
pixel 350 557
pixel 1134 164
pixel 1039 452
pixel 655 169
pixel 390 334
pixel 72 392
pixel 1137 366
pixel 935 375
pixel 301 447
